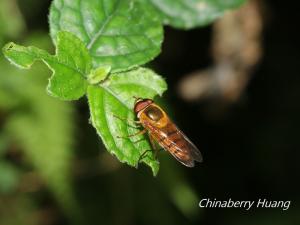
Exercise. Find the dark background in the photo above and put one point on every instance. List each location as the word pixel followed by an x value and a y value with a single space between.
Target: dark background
pixel 250 149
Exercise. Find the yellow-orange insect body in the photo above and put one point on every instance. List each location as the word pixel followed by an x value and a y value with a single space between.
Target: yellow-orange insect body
pixel 165 132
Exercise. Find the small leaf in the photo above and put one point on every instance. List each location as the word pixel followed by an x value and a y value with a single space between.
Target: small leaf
pixel 115 98
pixel 118 33
pixel 98 74
pixel 187 14
pixel 70 64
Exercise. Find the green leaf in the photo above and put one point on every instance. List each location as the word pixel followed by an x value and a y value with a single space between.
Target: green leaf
pixel 115 98
pixel 70 64
pixel 187 14
pixel 117 33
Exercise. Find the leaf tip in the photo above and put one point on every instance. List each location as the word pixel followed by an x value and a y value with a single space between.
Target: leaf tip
pixel 155 168
pixel 8 47
pixel 153 164
pixel 17 55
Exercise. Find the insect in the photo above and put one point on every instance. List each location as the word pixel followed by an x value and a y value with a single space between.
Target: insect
pixel 163 131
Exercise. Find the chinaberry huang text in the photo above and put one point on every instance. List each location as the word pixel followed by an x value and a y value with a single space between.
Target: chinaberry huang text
pixel 260 203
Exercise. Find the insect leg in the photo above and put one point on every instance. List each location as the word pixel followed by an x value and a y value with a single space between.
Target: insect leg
pixel 142 156
pixel 129 120
pixel 132 135
pixel 126 119
pixel 154 148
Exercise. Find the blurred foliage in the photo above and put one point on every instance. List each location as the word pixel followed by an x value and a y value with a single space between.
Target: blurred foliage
pixel 9 177
pixel 38 125
pixel 16 210
pixel 15 25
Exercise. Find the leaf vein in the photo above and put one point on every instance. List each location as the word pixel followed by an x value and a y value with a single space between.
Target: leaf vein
pixel 101 29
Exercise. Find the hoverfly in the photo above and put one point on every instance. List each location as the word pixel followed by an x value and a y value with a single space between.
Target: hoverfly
pixel 163 131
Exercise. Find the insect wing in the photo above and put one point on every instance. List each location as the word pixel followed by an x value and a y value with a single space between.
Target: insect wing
pixel 178 144
pixel 193 150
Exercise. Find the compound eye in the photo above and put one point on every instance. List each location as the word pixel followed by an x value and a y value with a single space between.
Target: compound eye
pixel 154 114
